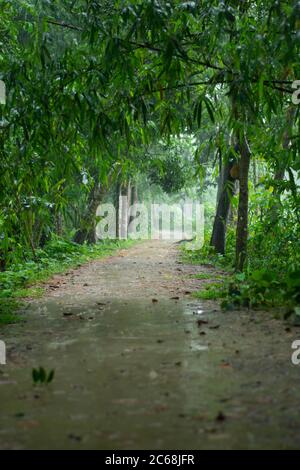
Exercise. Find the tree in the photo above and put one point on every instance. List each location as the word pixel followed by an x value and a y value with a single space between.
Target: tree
pixel 113 69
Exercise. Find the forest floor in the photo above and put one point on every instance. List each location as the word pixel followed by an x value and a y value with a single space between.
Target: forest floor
pixel 140 364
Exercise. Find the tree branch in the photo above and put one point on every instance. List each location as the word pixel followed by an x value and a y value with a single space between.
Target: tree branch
pixel 64 25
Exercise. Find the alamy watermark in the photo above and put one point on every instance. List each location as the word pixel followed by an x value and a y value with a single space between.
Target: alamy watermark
pixel 2 343
pixel 296 94
pixel 2 353
pixel 182 221
pixel 2 92
pixel 296 354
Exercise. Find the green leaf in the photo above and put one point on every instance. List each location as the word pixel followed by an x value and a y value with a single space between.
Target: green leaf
pixel 35 376
pixel 50 376
pixel 210 109
pixel 42 375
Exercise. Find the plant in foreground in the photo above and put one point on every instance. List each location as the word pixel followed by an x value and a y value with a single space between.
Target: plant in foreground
pixel 40 376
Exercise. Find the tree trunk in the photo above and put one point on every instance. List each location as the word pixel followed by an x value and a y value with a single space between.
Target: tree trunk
pixel 225 193
pixel 232 210
pixel 133 200
pixel 87 230
pixel 123 211
pixel 220 178
pixel 2 261
pixel 242 224
pixel 117 194
pixel 59 223
pixel 254 166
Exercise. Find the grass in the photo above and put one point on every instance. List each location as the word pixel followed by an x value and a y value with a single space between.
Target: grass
pixel 204 276
pixel 8 309
pixel 208 294
pixel 21 279
pixel 206 256
pixel 211 291
pixel 271 277
pixel 261 289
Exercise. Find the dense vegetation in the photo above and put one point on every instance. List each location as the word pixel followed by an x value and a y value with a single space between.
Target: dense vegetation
pixel 115 97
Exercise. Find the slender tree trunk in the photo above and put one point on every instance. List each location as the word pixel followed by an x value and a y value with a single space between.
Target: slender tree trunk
pixel 133 200
pixel 242 224
pixel 59 224
pixel 117 206
pixel 254 166
pixel 123 211
pixel 220 179
pixel 2 261
pixel 225 193
pixel 232 210
pixel 87 230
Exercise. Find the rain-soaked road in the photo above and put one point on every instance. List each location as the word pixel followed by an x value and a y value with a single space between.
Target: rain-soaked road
pixel 136 369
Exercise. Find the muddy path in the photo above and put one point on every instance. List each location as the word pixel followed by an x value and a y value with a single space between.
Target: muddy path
pixel 140 364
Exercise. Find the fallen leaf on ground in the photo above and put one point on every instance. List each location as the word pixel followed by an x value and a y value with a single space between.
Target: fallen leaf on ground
pixel 202 322
pixel 73 437
pixel 28 424
pixel 225 365
pixel 220 416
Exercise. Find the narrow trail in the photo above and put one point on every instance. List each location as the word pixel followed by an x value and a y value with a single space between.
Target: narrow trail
pixel 140 364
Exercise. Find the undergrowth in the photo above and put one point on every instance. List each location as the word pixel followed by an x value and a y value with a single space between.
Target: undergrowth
pixel 271 277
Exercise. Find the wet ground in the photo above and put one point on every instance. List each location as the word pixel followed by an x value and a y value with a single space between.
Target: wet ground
pixel 139 364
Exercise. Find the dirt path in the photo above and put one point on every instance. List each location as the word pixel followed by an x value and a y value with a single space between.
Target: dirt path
pixel 136 367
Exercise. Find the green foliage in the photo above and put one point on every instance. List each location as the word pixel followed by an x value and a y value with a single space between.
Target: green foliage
pixel 207 255
pixel 8 309
pixel 258 289
pixel 40 376
pixel 211 291
pixel 94 87
pixel 171 164
pixel 272 274
pixel 263 288
pixel 274 239
pixel 169 176
pixel 202 276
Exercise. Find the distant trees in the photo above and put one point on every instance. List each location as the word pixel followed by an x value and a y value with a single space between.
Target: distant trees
pixel 90 83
